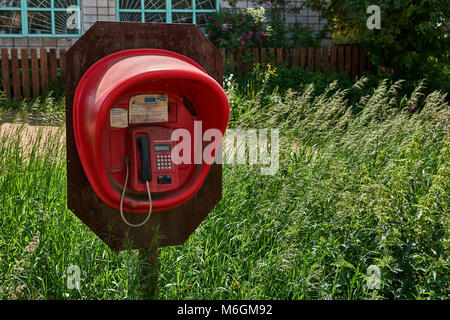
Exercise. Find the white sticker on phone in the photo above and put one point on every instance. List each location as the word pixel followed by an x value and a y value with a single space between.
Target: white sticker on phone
pixel 148 108
pixel 118 118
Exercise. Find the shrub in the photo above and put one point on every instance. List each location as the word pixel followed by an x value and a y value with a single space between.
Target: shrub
pixel 257 27
pixel 412 40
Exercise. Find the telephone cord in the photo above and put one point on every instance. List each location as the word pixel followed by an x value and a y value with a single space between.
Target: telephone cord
pixel 123 196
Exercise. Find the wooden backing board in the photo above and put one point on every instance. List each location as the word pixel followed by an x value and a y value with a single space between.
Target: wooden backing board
pixel 176 225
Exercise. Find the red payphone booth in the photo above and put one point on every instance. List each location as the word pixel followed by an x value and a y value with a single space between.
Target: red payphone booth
pixel 125 110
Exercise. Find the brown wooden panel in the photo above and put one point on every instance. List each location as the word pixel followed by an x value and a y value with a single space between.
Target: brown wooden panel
pixel 53 64
pixel 5 74
pixel 333 58
pixel 25 72
pixel 271 55
pixel 223 53
pixel 239 62
pixel 355 61
pixel 348 59
pixel 34 72
pixel 295 56
pixel 318 58
pixel 311 59
pixel 263 55
pixel 362 62
pixel 287 53
pixel 15 73
pixel 325 62
pixel 279 55
pixel 174 225
pixel 340 58
pixel 62 59
pixel 44 69
pixel 256 55
pixel 302 57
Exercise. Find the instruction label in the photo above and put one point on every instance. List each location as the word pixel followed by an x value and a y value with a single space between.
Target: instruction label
pixel 149 108
pixel 118 118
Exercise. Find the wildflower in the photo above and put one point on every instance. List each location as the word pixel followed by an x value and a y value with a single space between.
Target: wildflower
pixel 412 109
pixel 263 34
pixel 210 32
pixel 224 20
pixel 334 42
pixel 31 247
pixel 383 69
pixel 392 71
pixel 250 33
pixel 217 24
pixel 243 43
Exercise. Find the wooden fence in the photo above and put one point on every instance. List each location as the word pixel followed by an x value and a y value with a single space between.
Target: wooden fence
pixel 30 74
pixel 341 58
pixel 30 77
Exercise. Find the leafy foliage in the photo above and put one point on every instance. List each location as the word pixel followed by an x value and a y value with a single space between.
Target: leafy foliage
pixel 413 40
pixel 257 27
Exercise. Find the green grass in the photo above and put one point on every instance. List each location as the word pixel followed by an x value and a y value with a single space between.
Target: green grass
pixel 360 183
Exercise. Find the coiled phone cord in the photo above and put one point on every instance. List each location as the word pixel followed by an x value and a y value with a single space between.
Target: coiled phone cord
pixel 123 196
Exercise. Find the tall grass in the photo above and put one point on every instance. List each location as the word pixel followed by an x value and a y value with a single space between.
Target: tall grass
pixel 360 184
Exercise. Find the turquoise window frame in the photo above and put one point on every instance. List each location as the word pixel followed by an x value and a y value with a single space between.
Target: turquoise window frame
pixel 168 11
pixel 23 13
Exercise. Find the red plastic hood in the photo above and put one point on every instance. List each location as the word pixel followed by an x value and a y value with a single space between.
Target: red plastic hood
pixel 109 79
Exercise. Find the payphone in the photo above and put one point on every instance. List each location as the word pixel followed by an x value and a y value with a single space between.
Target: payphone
pixel 126 110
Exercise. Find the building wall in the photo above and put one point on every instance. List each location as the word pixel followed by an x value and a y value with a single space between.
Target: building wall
pixel 91 11
pixel 105 10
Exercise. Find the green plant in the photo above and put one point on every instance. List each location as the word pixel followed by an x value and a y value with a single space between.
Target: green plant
pixel 363 180
pixel 412 39
pixel 258 27
pixel 234 28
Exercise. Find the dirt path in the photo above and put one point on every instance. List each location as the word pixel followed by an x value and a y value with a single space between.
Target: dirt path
pixel 30 132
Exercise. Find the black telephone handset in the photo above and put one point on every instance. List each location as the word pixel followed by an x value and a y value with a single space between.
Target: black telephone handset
pixel 146 168
pixel 146 175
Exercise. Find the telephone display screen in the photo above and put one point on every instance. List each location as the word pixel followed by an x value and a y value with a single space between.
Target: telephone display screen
pixel 162 147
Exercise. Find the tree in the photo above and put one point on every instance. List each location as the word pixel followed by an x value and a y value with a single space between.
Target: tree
pixel 412 40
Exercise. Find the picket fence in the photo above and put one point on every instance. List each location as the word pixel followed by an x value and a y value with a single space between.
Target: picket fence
pixel 29 74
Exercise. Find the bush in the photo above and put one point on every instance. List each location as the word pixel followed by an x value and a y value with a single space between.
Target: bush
pixel 412 40
pixel 257 27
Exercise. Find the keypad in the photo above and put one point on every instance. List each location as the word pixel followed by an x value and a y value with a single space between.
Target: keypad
pixel 163 161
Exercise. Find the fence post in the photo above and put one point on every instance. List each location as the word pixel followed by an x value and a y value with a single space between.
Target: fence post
pixel 53 64
pixel 44 70
pixel 25 72
pixel 318 58
pixel 15 73
pixel 341 58
pixel 325 60
pixel 34 72
pixel 295 56
pixel 302 57
pixel 62 61
pixel 5 74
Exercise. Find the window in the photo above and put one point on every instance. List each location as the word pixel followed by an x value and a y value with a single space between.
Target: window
pixel 44 18
pixel 170 11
